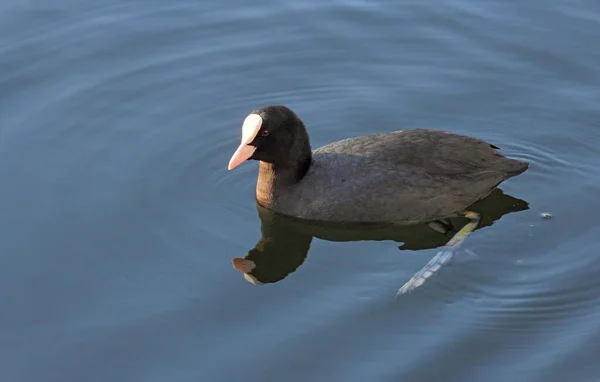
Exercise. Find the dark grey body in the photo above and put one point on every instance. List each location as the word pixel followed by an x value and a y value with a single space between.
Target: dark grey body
pixel 401 177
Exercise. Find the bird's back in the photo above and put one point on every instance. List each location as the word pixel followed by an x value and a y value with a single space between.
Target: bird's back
pixel 434 151
pixel 403 176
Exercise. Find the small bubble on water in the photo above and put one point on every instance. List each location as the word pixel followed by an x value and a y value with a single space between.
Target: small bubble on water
pixel 546 215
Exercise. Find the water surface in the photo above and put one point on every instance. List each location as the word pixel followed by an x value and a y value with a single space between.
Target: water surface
pixel 119 219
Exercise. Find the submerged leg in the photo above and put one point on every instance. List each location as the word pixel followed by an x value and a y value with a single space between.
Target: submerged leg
pixel 442 257
pixel 443 226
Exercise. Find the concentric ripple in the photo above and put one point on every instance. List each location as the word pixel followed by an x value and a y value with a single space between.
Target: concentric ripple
pixel 121 219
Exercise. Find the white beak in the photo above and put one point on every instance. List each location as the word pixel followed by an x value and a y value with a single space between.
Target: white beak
pixel 250 129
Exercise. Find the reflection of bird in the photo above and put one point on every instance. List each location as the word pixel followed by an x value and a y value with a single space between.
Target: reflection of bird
pixel 404 176
pixel 285 241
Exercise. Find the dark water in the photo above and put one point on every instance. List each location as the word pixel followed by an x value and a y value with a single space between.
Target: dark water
pixel 119 220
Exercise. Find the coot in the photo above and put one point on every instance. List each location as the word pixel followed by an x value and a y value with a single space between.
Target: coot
pixel 406 176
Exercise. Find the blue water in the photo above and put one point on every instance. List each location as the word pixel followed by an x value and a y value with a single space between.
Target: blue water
pixel 119 219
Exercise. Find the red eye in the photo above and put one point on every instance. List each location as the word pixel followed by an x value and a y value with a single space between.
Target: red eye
pixel 265 133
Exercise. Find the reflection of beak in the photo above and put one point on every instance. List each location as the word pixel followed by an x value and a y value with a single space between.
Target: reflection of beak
pixel 246 266
pixel 243 265
pixel 241 154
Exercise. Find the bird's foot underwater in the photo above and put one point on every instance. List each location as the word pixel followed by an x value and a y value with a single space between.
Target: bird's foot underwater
pixel 453 249
pixel 445 257
pixel 444 227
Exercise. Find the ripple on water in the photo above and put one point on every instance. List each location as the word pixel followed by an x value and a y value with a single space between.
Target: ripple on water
pixel 117 108
pixel 183 159
pixel 519 285
pixel 537 295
